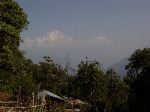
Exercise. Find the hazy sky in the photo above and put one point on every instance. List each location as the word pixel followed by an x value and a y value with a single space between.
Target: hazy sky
pixel 106 30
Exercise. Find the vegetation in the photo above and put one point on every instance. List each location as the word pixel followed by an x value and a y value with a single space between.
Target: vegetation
pixel 103 91
pixel 138 79
pixel 12 62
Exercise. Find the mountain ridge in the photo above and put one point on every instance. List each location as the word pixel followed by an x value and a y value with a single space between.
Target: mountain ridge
pixel 119 67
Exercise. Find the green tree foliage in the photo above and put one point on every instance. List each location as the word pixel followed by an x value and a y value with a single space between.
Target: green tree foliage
pixel 139 69
pixel 13 21
pixel 50 76
pixel 25 81
pixel 139 62
pixel 90 80
pixel 104 91
pixel 117 92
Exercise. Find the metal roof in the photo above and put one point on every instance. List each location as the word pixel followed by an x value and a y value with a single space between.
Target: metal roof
pixel 42 94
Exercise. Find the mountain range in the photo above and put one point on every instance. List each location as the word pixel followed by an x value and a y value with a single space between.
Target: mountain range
pixel 120 67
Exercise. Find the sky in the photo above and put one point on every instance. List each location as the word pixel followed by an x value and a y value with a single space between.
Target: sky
pixel 103 30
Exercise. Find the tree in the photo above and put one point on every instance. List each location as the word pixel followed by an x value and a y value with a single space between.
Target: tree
pixel 139 62
pixel 139 68
pixel 90 80
pixel 51 76
pixel 117 92
pixel 13 21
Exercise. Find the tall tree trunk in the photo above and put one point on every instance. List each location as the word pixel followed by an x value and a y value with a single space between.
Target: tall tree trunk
pixel 95 107
pixel 105 109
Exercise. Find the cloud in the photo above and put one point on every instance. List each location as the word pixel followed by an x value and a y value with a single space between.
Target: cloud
pixel 56 39
pixel 57 44
pixel 50 39
pixel 101 38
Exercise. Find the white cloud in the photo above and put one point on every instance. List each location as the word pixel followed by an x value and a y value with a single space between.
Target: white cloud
pixel 57 44
pixel 56 39
pixel 52 39
pixel 53 36
pixel 102 38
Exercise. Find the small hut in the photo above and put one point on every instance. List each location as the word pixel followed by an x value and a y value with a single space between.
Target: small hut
pixel 49 99
pixel 42 95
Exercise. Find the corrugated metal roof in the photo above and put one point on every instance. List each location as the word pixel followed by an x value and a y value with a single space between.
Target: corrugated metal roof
pixel 42 94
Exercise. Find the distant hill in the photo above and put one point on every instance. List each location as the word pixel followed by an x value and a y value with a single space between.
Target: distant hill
pixel 120 67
